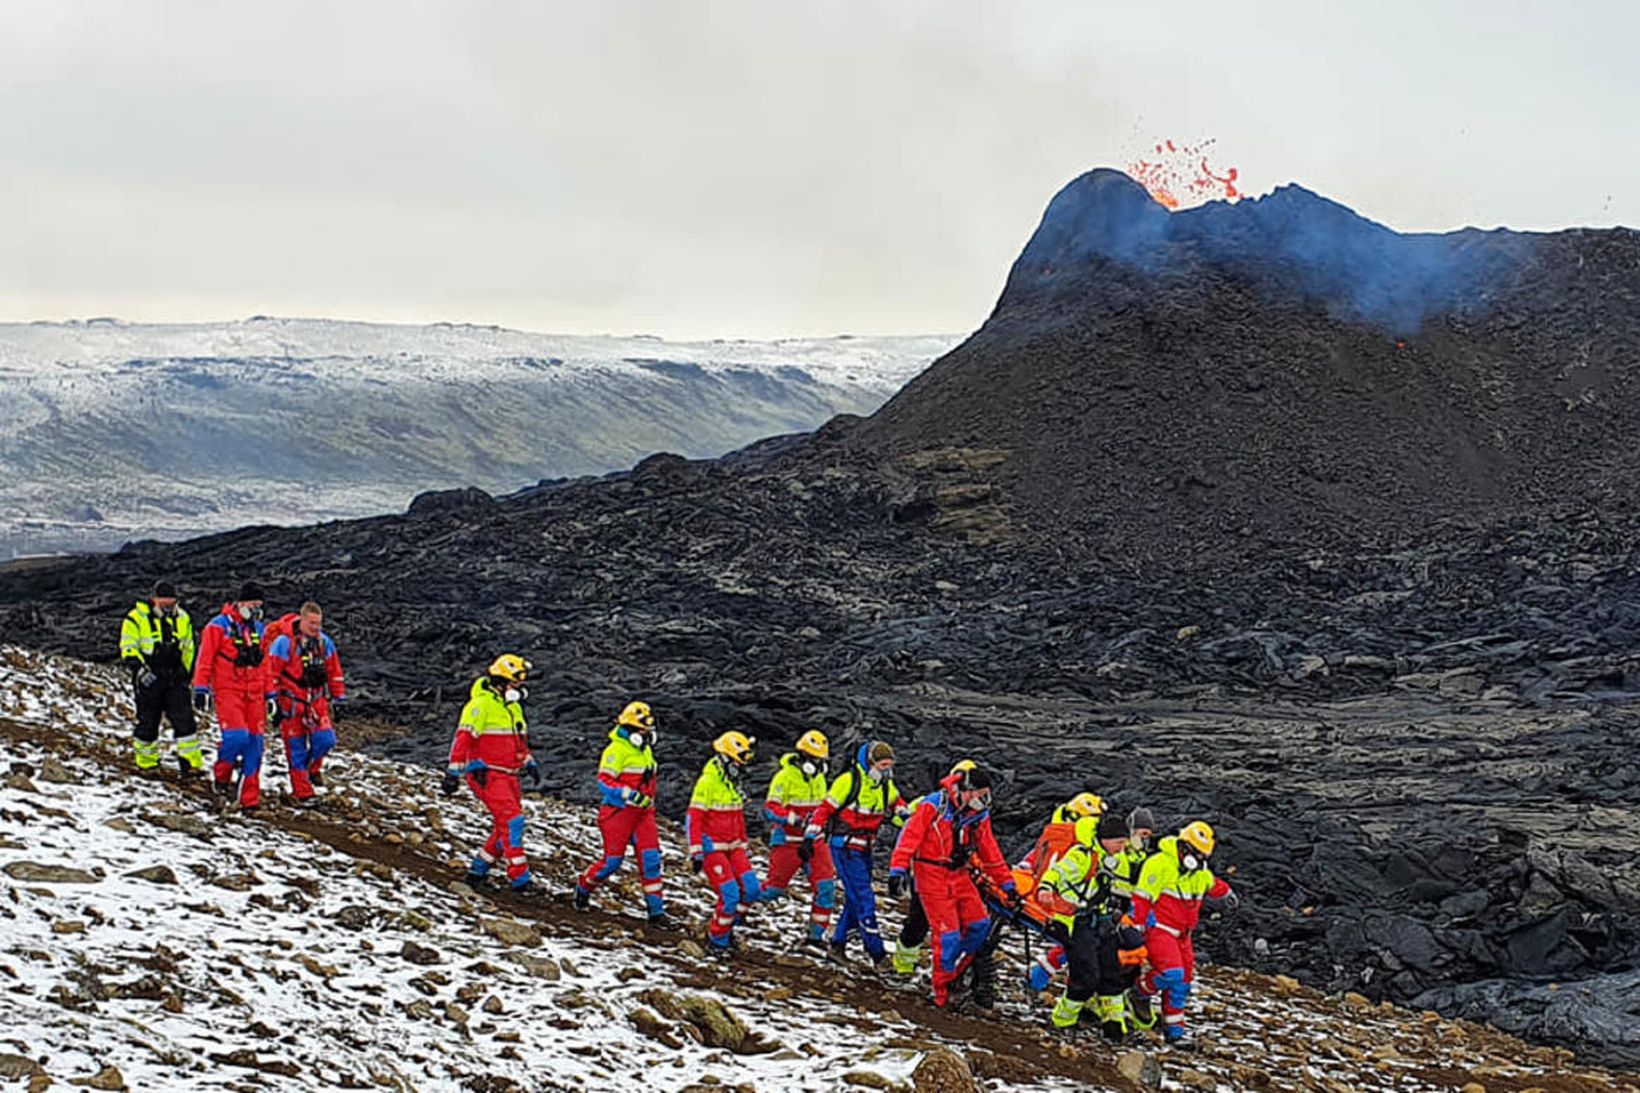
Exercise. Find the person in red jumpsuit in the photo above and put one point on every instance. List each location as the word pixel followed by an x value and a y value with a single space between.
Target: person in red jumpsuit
pixel 950 831
pixel 716 830
pixel 304 679
pixel 231 670
pixel 626 785
pixel 491 750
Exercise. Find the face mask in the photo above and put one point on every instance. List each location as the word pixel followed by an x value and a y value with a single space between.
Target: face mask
pixel 1189 862
pixel 168 612
pixel 637 739
pixel 515 694
pixel 246 612
pixel 809 768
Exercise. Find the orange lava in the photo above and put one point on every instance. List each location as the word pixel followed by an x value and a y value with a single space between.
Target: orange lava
pixel 1178 176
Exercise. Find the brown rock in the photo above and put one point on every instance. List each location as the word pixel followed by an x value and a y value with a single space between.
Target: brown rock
pixel 53 771
pixel 510 932
pixel 19 1066
pixel 38 873
pixel 68 926
pixel 155 874
pixel 1140 1068
pixel 868 1079
pixel 237 882
pixel 1472 1087
pixel 1196 1079
pixel 645 1021
pixel 542 967
pixel 944 1071
pixel 420 954
pixel 109 1077
pixel 1286 985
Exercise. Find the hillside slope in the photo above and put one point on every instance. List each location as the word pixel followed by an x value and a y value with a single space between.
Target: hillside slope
pixel 157 945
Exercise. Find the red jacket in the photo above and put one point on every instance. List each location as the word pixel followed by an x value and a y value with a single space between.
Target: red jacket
pixel 941 835
pixel 227 646
pixel 296 663
pixel 492 730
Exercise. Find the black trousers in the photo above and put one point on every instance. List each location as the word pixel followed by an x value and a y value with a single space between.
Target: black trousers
pixel 1092 962
pixel 914 931
pixel 170 697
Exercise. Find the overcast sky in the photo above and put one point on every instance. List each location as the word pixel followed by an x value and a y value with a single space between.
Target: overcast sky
pixel 757 168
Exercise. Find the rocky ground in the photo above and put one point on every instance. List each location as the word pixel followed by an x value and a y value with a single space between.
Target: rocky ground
pixel 154 944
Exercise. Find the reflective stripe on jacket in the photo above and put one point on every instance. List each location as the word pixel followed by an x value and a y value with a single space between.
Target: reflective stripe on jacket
pixel 623 767
pixel 1168 898
pixel 143 631
pixel 793 796
pixel 491 730
pixel 717 812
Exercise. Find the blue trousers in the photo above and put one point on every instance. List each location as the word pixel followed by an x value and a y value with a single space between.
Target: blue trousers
pixel 859 901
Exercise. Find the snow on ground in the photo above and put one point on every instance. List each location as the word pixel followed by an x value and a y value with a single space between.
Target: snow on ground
pixel 336 949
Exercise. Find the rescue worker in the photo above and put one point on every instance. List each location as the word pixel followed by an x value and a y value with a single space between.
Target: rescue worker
pixel 716 831
pixel 626 783
pixel 232 672
pixel 157 647
pixel 950 828
pixel 848 818
pixel 795 791
pixel 1088 890
pixel 1168 900
pixel 304 679
pixel 1059 834
pixel 908 947
pixel 492 750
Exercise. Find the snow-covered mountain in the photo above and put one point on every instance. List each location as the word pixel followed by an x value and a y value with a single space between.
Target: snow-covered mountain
pixel 152 944
pixel 111 431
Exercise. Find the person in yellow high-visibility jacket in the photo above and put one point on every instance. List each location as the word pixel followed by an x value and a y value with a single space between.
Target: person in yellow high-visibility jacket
pixel 157 646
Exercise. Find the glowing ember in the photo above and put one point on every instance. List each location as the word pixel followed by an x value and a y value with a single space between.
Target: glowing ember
pixel 1179 174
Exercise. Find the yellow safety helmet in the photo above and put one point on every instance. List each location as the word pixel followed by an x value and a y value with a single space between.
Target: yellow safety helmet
pixel 511 667
pixel 1199 834
pixel 734 746
pixel 1086 805
pixel 815 745
pixel 637 715
pixel 962 766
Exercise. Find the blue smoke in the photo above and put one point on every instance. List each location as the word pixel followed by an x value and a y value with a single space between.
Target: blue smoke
pixel 1292 241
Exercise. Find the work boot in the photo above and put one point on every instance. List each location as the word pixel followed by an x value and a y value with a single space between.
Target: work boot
pixel 816 946
pixel 1142 1008
pixel 905 958
pixel 662 921
pixel 1178 1039
pixel 583 899
pixel 187 771
pixel 316 778
pixel 475 881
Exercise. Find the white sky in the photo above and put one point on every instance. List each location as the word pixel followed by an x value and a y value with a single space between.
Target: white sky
pixel 726 168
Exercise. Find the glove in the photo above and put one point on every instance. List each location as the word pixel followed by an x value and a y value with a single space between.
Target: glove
pixel 449 783
pixel 202 699
pixel 1129 937
pixel 1011 896
pixel 635 798
pixel 1229 901
pixel 146 677
pixel 896 885
pixel 696 865
pixel 273 711
pixel 805 850
pixel 532 771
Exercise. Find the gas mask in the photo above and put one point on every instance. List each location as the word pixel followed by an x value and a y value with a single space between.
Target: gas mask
pixel 249 613
pixel 877 774
pixel 638 738
pixel 811 768
pixel 1189 860
pixel 515 693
